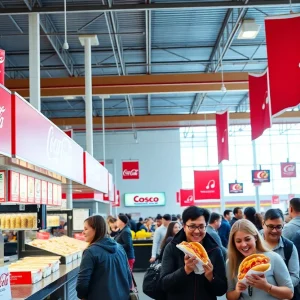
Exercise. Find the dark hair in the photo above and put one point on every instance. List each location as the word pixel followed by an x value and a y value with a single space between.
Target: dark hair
pixel 174 218
pixel 169 233
pixel 99 225
pixel 128 216
pixel 213 217
pixel 140 219
pixel 295 204
pixel 158 217
pixel 236 210
pixel 167 217
pixel 273 213
pixel 193 213
pixel 123 218
pixel 227 212
pixel 254 217
pixel 178 216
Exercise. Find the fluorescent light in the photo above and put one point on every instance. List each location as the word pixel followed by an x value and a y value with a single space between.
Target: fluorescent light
pixel 249 30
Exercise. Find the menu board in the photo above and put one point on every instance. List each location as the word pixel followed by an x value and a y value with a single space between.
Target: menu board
pixel 38 193
pixel 14 187
pixel 30 189
pixel 59 195
pixel 2 186
pixel 50 193
pixel 44 192
pixel 54 194
pixel 23 188
pixel 79 216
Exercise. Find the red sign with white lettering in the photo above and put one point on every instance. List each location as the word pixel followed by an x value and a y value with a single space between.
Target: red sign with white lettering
pixel 275 199
pixel 130 170
pixel 207 185
pixel 187 198
pixel 51 148
pixel 288 169
pixel 5 121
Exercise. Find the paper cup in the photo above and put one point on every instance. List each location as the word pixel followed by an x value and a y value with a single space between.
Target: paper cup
pixel 250 272
pixel 199 266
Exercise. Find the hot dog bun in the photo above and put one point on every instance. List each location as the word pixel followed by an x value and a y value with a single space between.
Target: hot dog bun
pixel 256 262
pixel 197 249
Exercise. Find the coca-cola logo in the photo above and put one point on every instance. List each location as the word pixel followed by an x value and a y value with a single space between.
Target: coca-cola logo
pixel 4 279
pixel 2 111
pixel 58 148
pixel 289 168
pixel 131 173
pixel 145 199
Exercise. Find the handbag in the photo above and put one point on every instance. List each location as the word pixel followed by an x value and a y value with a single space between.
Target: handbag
pixel 134 295
pixel 151 283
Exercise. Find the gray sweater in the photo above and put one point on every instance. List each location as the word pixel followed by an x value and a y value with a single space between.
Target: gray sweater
pixel 290 229
pixel 278 276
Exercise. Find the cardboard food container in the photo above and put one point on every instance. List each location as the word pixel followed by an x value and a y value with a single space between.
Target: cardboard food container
pixel 199 266
pixel 21 276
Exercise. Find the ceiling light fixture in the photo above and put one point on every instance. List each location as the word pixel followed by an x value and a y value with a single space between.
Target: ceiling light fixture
pixel 65 45
pixel 249 30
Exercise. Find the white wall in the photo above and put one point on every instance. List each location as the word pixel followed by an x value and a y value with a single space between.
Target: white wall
pixel 158 153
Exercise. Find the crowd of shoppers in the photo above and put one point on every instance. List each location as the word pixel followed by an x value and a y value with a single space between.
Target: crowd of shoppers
pixel 227 239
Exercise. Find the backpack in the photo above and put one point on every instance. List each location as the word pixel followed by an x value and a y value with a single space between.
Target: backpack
pixel 287 249
pixel 151 285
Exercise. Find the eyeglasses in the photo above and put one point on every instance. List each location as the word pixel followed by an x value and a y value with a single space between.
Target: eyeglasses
pixel 272 227
pixel 194 227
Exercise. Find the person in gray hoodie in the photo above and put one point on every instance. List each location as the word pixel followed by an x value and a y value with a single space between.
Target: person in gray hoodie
pixel 104 268
pixel 290 229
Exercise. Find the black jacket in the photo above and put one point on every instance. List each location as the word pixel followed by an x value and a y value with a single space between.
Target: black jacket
pixel 124 238
pixel 233 220
pixel 132 225
pixel 179 285
pixel 104 271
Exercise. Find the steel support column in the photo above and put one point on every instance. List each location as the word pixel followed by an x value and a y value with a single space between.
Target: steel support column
pixel 34 60
pixel 69 194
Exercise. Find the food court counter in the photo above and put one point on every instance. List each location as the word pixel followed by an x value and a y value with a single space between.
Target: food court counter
pixel 142 250
pixel 60 285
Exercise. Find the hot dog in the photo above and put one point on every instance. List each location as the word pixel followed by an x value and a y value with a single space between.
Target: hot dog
pixel 256 262
pixel 197 250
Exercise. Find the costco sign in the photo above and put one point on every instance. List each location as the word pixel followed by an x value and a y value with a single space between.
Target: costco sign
pixel 145 199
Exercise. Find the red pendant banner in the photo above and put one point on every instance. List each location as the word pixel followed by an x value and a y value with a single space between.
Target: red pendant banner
pixel 260 107
pixel 207 185
pixel 283 50
pixel 130 170
pixel 222 136
pixel 2 66
pixel 186 197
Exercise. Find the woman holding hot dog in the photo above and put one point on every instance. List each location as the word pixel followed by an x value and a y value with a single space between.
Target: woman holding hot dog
pixel 244 240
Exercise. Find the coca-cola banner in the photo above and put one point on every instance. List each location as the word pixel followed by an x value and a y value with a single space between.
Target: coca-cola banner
pixel 288 169
pixel 187 197
pixel 51 148
pixel 130 170
pixel 2 66
pixel 5 121
pixel 145 199
pixel 207 185
pixel 95 175
pixel 5 289
pixel 275 199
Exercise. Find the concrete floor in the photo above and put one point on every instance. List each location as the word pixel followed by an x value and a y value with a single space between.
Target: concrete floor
pixel 139 281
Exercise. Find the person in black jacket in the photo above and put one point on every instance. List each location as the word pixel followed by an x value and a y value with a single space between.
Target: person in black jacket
pixel 124 238
pixel 178 279
pixel 104 268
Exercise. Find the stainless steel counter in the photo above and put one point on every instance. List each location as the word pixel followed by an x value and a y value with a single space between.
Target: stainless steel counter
pixel 47 286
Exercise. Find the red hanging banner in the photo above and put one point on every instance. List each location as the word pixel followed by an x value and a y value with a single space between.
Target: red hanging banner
pixel 2 66
pixel 222 136
pixel 260 107
pixel 283 41
pixel 207 185
pixel 187 198
pixel 275 199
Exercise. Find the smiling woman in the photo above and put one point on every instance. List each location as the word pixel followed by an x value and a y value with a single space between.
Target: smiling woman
pixel 244 242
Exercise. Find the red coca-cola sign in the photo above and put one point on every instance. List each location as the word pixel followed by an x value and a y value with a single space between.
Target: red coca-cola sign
pixel 130 170
pixel 288 169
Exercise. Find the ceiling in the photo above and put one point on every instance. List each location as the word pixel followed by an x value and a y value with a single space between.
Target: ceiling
pixel 140 37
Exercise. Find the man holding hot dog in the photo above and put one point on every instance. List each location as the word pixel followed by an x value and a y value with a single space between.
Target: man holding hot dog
pixel 178 278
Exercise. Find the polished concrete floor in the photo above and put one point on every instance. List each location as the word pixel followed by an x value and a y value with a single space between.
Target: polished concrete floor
pixel 139 281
